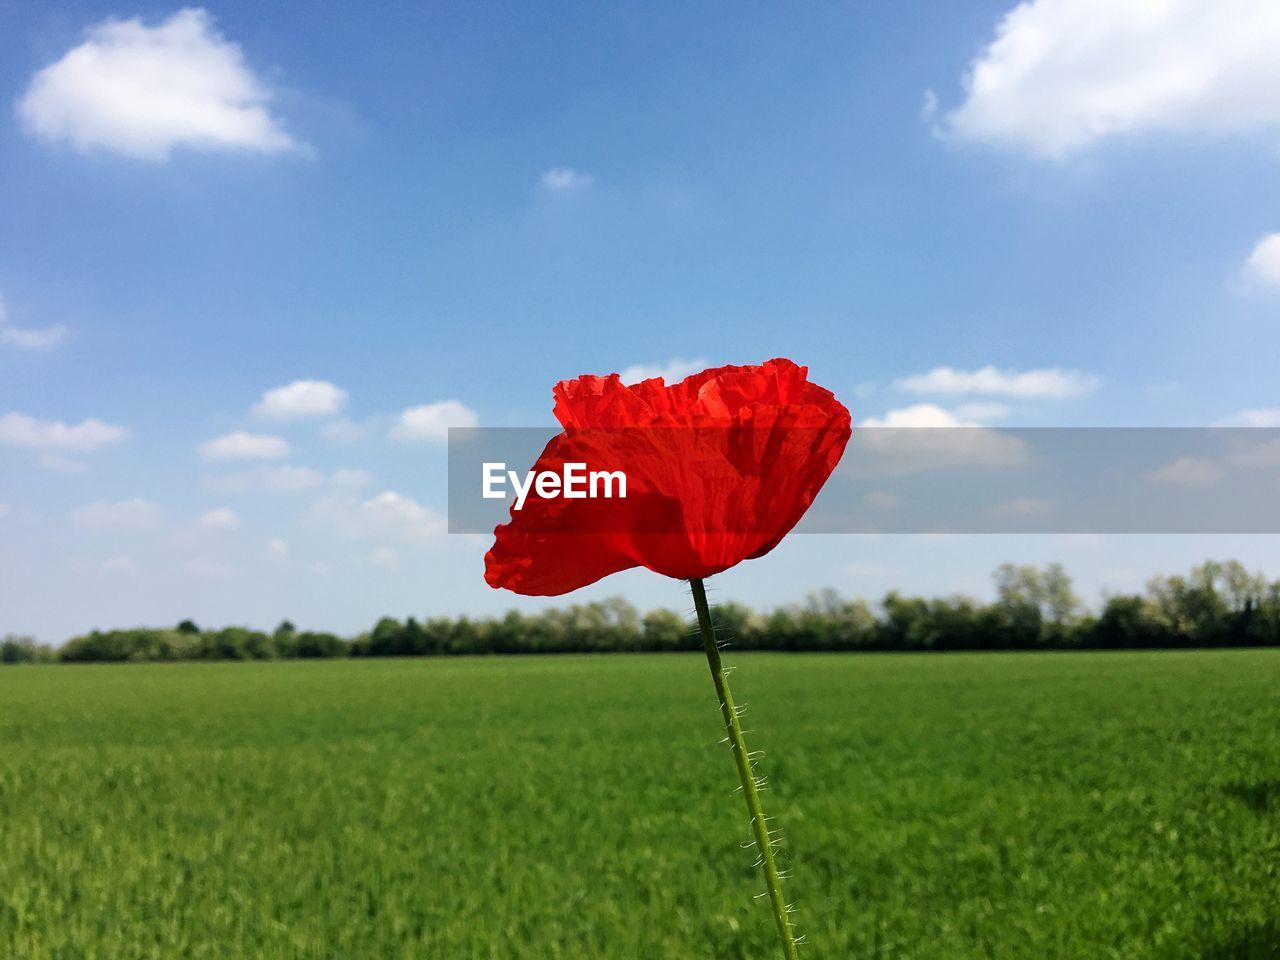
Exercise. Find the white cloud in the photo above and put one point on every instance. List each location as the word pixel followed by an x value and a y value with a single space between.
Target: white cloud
pixel 219 518
pixel 142 91
pixel 1265 454
pixel 928 105
pixel 135 514
pixel 433 420
pixel 119 566
pixel 301 399
pixel 19 430
pixel 882 500
pixel 33 338
pixel 1062 74
pixel 1025 507
pixel 343 430
pixel 982 411
pixel 350 479
pixel 56 463
pixel 1262 269
pixel 287 478
pixel 384 558
pixel 240 445
pixel 388 515
pixel 202 568
pixel 276 550
pixel 1257 417
pixel 283 478
pixel 394 511
pixel 673 371
pixel 29 338
pixel 563 179
pixel 1187 472
pixel 1048 382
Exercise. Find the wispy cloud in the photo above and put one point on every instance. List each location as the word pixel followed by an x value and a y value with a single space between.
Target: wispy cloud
pixel 33 338
pixel 1255 417
pixel 384 558
pixel 120 566
pixel 882 500
pixel 564 179
pixel 1187 472
pixel 343 430
pixel 982 411
pixel 1046 382
pixel 20 430
pixel 135 514
pixel 219 518
pixel 56 463
pixel 388 515
pixel 203 568
pixel 287 478
pixel 29 338
pixel 143 91
pixel 1024 507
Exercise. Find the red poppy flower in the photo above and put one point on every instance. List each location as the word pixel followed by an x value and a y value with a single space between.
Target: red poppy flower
pixel 719 467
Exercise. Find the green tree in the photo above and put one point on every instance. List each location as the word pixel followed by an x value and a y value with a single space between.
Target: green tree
pixel 15 649
pixel 666 630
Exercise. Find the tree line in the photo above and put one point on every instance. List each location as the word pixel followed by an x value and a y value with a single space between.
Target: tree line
pixel 1219 604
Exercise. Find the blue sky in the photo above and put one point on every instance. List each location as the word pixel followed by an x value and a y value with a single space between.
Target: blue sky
pixel 462 204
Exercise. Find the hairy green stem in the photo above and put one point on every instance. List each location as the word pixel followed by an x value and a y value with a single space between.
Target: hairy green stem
pixel 750 790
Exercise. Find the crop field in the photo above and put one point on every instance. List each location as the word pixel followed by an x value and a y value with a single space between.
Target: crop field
pixel 1118 805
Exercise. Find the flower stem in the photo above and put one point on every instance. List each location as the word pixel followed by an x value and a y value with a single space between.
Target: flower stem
pixel 759 825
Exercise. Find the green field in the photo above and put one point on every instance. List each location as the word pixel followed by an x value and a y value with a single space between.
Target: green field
pixel 1120 805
